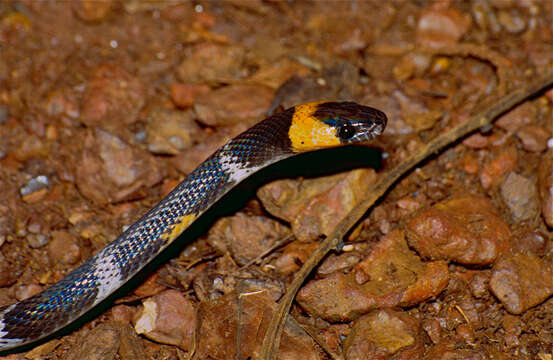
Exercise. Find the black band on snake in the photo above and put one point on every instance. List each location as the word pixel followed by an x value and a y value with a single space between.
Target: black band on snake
pixel 299 129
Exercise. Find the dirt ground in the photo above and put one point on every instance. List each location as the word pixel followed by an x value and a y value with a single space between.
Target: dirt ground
pixel 106 106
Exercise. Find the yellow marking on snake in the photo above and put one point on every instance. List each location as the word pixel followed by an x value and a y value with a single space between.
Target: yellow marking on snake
pixel 308 132
pixel 178 228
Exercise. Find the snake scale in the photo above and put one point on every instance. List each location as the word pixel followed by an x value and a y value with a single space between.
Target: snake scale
pixel 299 129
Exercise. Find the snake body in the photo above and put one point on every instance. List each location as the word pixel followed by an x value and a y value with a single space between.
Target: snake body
pixel 299 129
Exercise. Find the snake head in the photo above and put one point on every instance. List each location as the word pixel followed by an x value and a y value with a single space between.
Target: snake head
pixel 329 124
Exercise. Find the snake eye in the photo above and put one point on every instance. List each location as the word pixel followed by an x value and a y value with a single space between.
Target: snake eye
pixel 346 131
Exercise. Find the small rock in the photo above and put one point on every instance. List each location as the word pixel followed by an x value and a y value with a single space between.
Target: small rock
pixel 64 248
pixel 62 103
pixel 110 170
pixel 245 237
pixel 112 97
pixel 36 241
pixel 441 27
pixel 185 95
pixel 92 11
pixel 534 138
pixel 390 276
pixel 465 230
pixel 170 132
pixel 512 21
pixel 315 206
pixel 529 240
pixel 494 169
pixel 211 63
pixel 167 318
pixel 233 104
pixel 382 334
pixel 479 285
pixel 521 196
pixel 521 281
pixel 35 184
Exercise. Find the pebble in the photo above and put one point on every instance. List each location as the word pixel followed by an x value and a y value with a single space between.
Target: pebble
pixel 234 104
pixel 170 132
pixel 465 229
pixel 521 115
pixel 521 281
pixel 511 21
pixel 382 334
pixel 211 63
pixel 521 196
pixel 36 241
pixel 534 138
pixel 35 184
pixel 110 170
pixel 62 103
pixel 441 27
pixel 167 318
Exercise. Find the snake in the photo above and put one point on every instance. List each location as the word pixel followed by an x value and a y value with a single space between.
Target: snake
pixel 299 129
